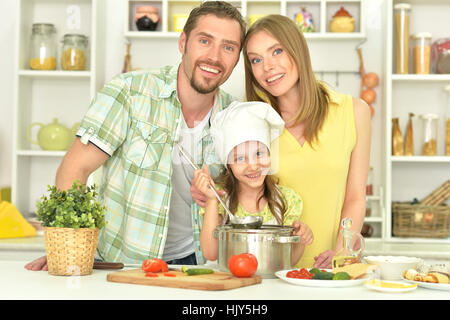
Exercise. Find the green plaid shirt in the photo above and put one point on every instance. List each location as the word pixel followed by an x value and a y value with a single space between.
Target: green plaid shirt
pixel 135 118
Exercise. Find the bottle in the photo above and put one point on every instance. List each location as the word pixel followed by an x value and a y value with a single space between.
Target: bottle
pixel 74 50
pixel 402 36
pixel 409 143
pixel 43 47
pixel 397 138
pixel 429 134
pixel 422 52
pixel 347 255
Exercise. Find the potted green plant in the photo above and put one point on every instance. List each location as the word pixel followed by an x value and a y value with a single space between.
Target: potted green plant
pixel 72 220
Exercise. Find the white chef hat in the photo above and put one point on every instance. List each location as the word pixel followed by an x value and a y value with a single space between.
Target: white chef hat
pixel 244 121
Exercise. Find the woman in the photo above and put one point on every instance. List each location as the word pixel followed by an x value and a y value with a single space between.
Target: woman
pixel 324 149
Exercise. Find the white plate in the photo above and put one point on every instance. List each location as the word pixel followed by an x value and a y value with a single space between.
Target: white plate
pixel 429 285
pixel 321 283
pixel 376 285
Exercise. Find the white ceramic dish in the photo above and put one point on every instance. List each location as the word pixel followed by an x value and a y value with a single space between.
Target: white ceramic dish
pixel 322 283
pixel 392 267
pixel 376 285
pixel 429 285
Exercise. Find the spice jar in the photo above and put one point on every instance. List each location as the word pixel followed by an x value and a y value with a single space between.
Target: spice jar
pixel 74 52
pixel 43 47
pixel 429 134
pixel 447 126
pixel 146 18
pixel 402 36
pixel 422 52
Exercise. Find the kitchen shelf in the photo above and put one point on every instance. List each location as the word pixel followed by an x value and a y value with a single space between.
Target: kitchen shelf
pixel 322 11
pixel 421 78
pixel 373 219
pixel 54 74
pixel 432 159
pixel 40 153
pixel 409 177
pixel 43 95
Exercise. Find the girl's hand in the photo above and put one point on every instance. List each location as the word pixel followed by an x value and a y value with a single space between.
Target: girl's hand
pixel 304 231
pixel 324 259
pixel 202 180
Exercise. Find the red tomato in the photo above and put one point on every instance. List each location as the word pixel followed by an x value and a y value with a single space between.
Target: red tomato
pixel 243 265
pixel 155 265
pixel 151 274
pixel 168 274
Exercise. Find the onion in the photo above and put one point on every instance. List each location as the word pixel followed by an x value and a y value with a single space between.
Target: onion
pixel 370 80
pixel 369 96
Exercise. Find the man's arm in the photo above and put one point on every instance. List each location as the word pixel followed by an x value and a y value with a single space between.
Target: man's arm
pixel 78 163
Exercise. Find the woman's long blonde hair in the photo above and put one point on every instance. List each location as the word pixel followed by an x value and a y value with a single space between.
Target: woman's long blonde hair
pixel 314 98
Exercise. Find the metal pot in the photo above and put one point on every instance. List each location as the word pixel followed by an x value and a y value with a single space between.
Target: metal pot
pixel 271 244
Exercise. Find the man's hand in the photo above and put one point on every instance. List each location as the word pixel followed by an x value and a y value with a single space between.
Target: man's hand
pixel 38 264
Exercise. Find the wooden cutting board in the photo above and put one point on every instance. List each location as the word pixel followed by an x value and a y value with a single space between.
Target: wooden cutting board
pixel 213 281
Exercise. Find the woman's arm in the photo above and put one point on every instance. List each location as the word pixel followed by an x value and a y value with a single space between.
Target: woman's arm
pixel 354 206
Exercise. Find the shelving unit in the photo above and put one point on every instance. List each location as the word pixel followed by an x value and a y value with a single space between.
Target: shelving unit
pixel 408 177
pixel 41 96
pixel 322 11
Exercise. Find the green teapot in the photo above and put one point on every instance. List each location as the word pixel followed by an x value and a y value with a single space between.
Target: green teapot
pixel 53 136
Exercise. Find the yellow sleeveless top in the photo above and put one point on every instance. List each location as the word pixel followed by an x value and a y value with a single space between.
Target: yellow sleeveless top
pixel 318 173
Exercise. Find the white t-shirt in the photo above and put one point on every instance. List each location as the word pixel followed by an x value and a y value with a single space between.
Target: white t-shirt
pixel 180 239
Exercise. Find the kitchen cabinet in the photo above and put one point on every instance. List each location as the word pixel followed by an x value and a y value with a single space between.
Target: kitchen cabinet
pixel 42 95
pixel 409 177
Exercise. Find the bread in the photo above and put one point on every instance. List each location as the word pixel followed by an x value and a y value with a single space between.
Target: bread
pixel 410 274
pixel 440 278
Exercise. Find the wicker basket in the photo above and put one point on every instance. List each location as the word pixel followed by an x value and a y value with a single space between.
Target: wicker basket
pixel 70 251
pixel 420 221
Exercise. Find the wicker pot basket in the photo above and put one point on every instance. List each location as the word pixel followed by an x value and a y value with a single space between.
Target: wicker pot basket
pixel 70 251
pixel 420 221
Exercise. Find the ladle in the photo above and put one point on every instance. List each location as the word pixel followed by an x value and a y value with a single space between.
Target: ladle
pixel 248 222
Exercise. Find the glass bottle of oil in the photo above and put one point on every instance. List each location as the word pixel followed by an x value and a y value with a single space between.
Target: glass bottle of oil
pixel 347 254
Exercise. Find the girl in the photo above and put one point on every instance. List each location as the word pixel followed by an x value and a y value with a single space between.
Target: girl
pixel 325 147
pixel 242 135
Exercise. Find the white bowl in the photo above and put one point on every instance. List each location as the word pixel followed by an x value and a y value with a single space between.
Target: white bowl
pixel 392 267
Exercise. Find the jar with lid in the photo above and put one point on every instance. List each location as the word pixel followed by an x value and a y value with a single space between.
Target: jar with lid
pixel 43 47
pixel 430 123
pixel 422 52
pixel 74 49
pixel 146 18
pixel 447 123
pixel 402 36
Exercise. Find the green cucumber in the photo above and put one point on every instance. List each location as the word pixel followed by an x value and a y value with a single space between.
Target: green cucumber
pixel 196 271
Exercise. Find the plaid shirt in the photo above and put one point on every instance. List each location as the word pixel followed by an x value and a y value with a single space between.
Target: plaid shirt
pixel 136 119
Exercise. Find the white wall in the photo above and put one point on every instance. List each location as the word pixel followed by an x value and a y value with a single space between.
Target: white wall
pixel 328 56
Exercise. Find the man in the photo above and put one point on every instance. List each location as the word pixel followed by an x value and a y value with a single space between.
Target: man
pixel 133 127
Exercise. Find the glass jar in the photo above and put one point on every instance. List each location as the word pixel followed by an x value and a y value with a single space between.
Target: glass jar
pixel 422 52
pixel 429 134
pixel 447 124
pixel 369 184
pixel 74 50
pixel 402 36
pixel 146 18
pixel 43 47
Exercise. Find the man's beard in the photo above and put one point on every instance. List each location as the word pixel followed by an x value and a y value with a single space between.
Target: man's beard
pixel 205 88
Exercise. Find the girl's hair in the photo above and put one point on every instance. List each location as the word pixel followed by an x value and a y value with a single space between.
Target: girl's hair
pixel 272 193
pixel 314 98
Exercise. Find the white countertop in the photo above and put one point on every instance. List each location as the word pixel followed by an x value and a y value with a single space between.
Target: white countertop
pixel 19 283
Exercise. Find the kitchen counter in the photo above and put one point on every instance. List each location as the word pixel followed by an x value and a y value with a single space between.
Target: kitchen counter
pixel 28 248
pixel 19 283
